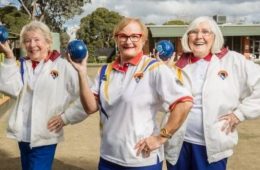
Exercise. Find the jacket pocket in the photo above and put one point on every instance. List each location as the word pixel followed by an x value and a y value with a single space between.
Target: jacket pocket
pixel 220 140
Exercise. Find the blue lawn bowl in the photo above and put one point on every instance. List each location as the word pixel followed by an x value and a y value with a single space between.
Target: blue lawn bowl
pixel 165 49
pixel 77 50
pixel 3 34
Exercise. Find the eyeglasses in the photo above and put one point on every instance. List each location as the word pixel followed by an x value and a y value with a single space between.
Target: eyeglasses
pixel 204 33
pixel 132 37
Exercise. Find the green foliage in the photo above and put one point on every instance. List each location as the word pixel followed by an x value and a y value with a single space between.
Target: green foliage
pixel 175 22
pixel 96 29
pixel 64 38
pixel 13 18
pixel 53 12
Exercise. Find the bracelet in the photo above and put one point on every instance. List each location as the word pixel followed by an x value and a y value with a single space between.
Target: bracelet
pixel 165 133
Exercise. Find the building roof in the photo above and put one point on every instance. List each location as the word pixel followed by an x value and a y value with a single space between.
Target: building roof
pixel 227 30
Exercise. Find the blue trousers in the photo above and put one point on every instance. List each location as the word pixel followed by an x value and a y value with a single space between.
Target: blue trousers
pixel 194 157
pixel 106 165
pixel 36 158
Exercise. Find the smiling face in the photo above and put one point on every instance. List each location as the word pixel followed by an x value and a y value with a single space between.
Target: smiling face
pixel 200 40
pixel 35 44
pixel 130 40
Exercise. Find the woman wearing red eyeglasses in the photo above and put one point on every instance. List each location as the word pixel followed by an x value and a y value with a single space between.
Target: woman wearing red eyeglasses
pixel 128 93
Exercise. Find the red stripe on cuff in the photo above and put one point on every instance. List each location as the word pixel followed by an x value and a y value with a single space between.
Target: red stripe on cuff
pixel 180 100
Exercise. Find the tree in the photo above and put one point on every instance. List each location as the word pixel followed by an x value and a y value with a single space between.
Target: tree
pixel 13 18
pixel 53 12
pixel 175 22
pixel 96 29
pixel 64 39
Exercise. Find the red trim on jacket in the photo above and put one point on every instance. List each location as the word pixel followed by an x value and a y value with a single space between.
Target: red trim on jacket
pixel 186 57
pixel 194 59
pixel 123 68
pixel 222 53
pixel 34 64
pixel 51 56
pixel 180 100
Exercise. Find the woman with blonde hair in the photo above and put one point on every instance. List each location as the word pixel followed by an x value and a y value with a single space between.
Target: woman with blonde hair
pixel 128 93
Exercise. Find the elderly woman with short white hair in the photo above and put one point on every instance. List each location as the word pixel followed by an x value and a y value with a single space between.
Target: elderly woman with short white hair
pixel 226 90
pixel 44 88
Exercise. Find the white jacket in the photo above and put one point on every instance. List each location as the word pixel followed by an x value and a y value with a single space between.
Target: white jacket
pixel 55 91
pixel 237 92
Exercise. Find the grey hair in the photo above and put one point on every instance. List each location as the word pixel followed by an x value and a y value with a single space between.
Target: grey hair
pixel 33 26
pixel 218 40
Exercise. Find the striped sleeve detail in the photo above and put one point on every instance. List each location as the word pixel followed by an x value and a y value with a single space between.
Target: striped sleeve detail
pixel 179 75
pixel 181 100
pixel 106 83
pixel 155 65
pixel 145 64
pixel 178 72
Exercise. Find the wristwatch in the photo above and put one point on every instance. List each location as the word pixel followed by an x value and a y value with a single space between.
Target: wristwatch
pixel 165 133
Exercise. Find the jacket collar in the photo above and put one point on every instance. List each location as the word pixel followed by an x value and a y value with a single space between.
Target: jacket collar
pixel 194 59
pixel 52 56
pixel 186 58
pixel 123 68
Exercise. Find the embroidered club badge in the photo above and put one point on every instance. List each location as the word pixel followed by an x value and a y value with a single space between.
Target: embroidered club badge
pixel 54 74
pixel 223 74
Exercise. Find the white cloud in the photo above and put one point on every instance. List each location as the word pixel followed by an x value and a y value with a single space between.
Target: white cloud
pixel 4 2
pixel 9 2
pixel 160 11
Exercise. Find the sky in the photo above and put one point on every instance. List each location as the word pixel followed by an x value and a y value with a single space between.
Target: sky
pixel 160 11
